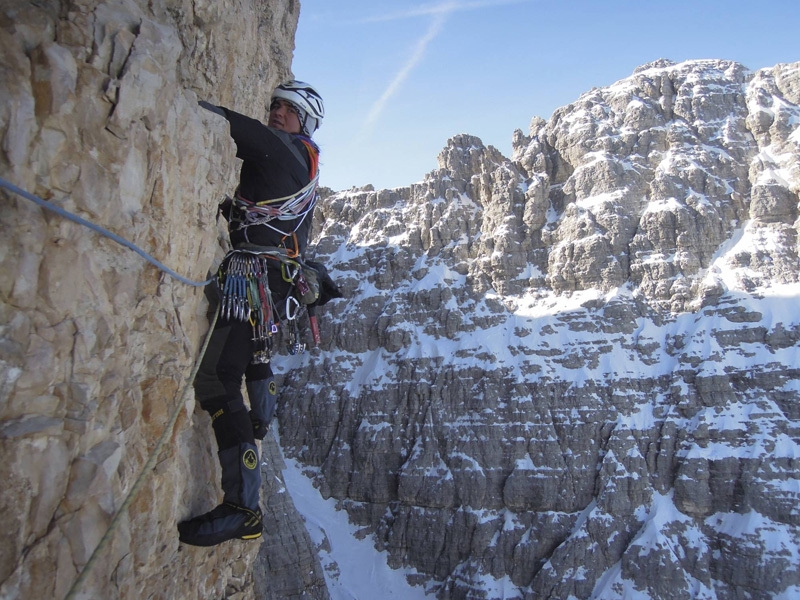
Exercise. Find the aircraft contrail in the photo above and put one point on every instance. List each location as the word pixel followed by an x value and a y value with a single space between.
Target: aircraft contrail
pixel 435 9
pixel 440 13
pixel 398 80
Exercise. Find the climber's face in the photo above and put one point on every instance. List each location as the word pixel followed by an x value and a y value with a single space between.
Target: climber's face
pixel 283 116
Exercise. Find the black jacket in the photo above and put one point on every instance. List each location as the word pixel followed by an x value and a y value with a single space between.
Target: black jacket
pixel 275 164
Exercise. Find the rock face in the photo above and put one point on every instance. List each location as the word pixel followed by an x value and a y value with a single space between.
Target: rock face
pixel 572 373
pixel 98 114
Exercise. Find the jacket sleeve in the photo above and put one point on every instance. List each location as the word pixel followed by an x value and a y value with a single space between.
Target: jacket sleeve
pixel 213 108
pixel 254 140
pixel 274 163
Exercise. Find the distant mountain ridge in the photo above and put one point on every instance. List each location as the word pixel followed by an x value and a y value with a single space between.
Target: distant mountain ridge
pixel 573 373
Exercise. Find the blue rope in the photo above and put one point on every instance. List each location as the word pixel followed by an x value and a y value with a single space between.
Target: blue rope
pixel 122 241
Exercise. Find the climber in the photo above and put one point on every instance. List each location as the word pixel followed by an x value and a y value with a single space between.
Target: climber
pixel 269 220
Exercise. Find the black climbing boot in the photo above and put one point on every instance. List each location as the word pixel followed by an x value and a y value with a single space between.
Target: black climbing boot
pixel 239 515
pixel 225 522
pixel 262 394
pixel 241 475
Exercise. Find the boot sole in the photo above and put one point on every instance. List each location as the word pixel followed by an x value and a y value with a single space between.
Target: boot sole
pixel 213 540
pixel 206 541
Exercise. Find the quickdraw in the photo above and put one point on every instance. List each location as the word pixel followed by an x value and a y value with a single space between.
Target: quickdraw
pixel 243 279
pixel 293 344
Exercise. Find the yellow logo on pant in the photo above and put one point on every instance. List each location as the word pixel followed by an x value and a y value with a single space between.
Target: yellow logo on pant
pixel 250 459
pixel 273 389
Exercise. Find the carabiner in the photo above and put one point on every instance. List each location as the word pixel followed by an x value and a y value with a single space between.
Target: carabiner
pixel 287 275
pixel 289 315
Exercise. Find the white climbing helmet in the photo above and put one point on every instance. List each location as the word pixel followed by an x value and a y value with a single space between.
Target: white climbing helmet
pixel 306 99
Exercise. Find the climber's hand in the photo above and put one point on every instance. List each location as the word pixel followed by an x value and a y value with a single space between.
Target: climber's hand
pixel 212 108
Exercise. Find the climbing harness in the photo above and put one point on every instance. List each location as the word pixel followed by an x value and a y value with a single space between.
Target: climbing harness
pixel 244 284
pixel 102 231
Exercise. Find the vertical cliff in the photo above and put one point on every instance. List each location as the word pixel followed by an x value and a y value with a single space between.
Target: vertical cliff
pixel 98 114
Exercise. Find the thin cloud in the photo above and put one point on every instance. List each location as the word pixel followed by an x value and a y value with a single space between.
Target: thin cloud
pixel 440 17
pixel 440 13
pixel 446 8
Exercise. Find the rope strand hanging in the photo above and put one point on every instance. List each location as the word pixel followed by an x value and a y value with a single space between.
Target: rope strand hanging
pixel 146 470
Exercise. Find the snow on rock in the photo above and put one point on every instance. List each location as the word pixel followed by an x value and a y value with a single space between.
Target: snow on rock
pixel 578 366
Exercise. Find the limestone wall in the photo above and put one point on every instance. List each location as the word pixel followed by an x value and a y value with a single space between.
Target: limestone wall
pixel 98 114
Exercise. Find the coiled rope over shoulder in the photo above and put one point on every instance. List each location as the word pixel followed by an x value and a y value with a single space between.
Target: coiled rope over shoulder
pixel 295 207
pixel 102 231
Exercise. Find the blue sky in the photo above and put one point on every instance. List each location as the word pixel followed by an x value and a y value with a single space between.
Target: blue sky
pixel 400 78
